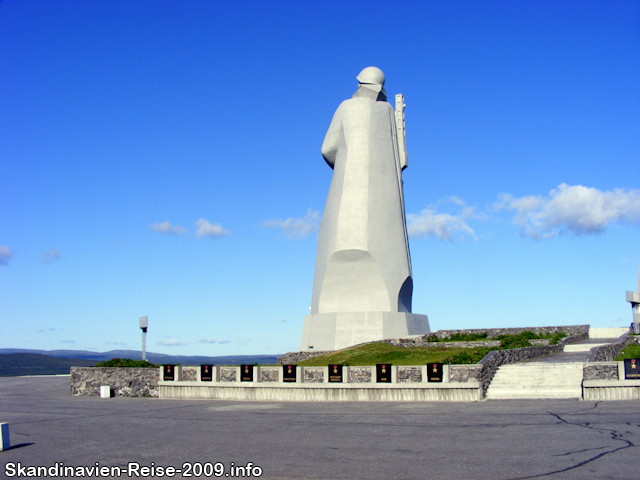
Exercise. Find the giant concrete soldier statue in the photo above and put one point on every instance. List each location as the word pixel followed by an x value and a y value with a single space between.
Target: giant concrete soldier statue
pixel 362 286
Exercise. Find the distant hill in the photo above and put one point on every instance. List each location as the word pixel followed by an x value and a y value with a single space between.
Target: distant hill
pixel 82 358
pixel 18 364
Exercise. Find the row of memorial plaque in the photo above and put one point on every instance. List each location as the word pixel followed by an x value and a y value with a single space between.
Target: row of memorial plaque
pixel 383 373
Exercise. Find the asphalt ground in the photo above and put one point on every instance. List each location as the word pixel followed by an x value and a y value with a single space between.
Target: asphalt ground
pixel 496 440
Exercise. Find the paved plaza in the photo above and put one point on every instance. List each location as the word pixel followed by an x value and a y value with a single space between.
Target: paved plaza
pixel 497 440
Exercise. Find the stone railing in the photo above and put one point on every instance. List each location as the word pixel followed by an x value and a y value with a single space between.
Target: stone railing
pixel 608 353
pixel 124 382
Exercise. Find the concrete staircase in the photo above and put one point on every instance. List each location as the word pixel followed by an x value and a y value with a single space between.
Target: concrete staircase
pixel 537 380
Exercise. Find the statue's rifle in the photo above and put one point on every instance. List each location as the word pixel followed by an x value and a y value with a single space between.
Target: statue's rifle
pixel 402 163
pixel 402 139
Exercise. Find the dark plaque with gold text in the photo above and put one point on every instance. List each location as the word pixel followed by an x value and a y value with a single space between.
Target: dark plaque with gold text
pixel 246 373
pixel 289 373
pixel 335 373
pixel 206 373
pixel 168 372
pixel 383 373
pixel 434 372
pixel 632 369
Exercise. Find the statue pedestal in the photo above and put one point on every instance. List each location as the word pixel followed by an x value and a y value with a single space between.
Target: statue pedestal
pixel 333 331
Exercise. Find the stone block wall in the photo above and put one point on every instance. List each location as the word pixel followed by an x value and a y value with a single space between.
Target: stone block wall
pixel 189 374
pixel 228 374
pixel 600 371
pixel 124 382
pixel 359 374
pixel 270 374
pixel 409 374
pixel 313 374
pixel 465 373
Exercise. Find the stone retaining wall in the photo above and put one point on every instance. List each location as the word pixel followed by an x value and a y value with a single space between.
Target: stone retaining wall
pixel 293 358
pixel 124 382
pixel 569 330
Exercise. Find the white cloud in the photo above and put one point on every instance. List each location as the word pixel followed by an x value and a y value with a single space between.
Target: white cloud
pixel 171 343
pixel 207 340
pixel 168 229
pixel 282 320
pixel 429 223
pixel 224 341
pixel 5 255
pixel 213 231
pixel 296 228
pixel 50 256
pixel 576 209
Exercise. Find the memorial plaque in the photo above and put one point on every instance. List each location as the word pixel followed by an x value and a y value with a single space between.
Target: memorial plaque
pixel 383 373
pixel 434 372
pixel 289 373
pixel 206 373
pixel 168 372
pixel 246 373
pixel 632 369
pixel 335 373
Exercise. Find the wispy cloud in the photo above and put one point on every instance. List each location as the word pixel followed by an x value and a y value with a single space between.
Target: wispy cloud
pixel 50 256
pixel 297 228
pixel 171 343
pixel 168 229
pixel 445 226
pixel 575 209
pixel 5 255
pixel 224 341
pixel 207 340
pixel 282 320
pixel 211 230
pixel 117 344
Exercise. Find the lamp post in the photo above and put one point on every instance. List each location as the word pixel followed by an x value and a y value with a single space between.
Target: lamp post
pixel 144 322
pixel 634 299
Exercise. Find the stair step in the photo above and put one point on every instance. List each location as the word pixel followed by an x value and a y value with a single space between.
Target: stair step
pixel 537 380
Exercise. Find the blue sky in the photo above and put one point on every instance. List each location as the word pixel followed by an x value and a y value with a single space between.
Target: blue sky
pixel 163 159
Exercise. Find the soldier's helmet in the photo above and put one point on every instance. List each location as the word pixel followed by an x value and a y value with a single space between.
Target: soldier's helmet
pixel 371 76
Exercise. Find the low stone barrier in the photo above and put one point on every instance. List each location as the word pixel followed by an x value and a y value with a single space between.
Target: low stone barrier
pixel 408 383
pixel 124 382
pixel 606 381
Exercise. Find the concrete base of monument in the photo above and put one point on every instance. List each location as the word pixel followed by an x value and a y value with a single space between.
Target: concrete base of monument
pixel 333 331
pixel 424 392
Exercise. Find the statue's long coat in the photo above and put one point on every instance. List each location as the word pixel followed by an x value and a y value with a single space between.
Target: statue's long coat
pixel 363 261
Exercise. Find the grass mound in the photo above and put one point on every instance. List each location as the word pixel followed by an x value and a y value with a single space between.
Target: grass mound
pixel 126 363
pixel 631 350
pixel 382 352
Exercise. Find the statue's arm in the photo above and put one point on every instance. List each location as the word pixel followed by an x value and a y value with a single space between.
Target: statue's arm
pixel 332 139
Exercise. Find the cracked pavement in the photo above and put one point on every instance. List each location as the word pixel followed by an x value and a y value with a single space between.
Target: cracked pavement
pixel 497 440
